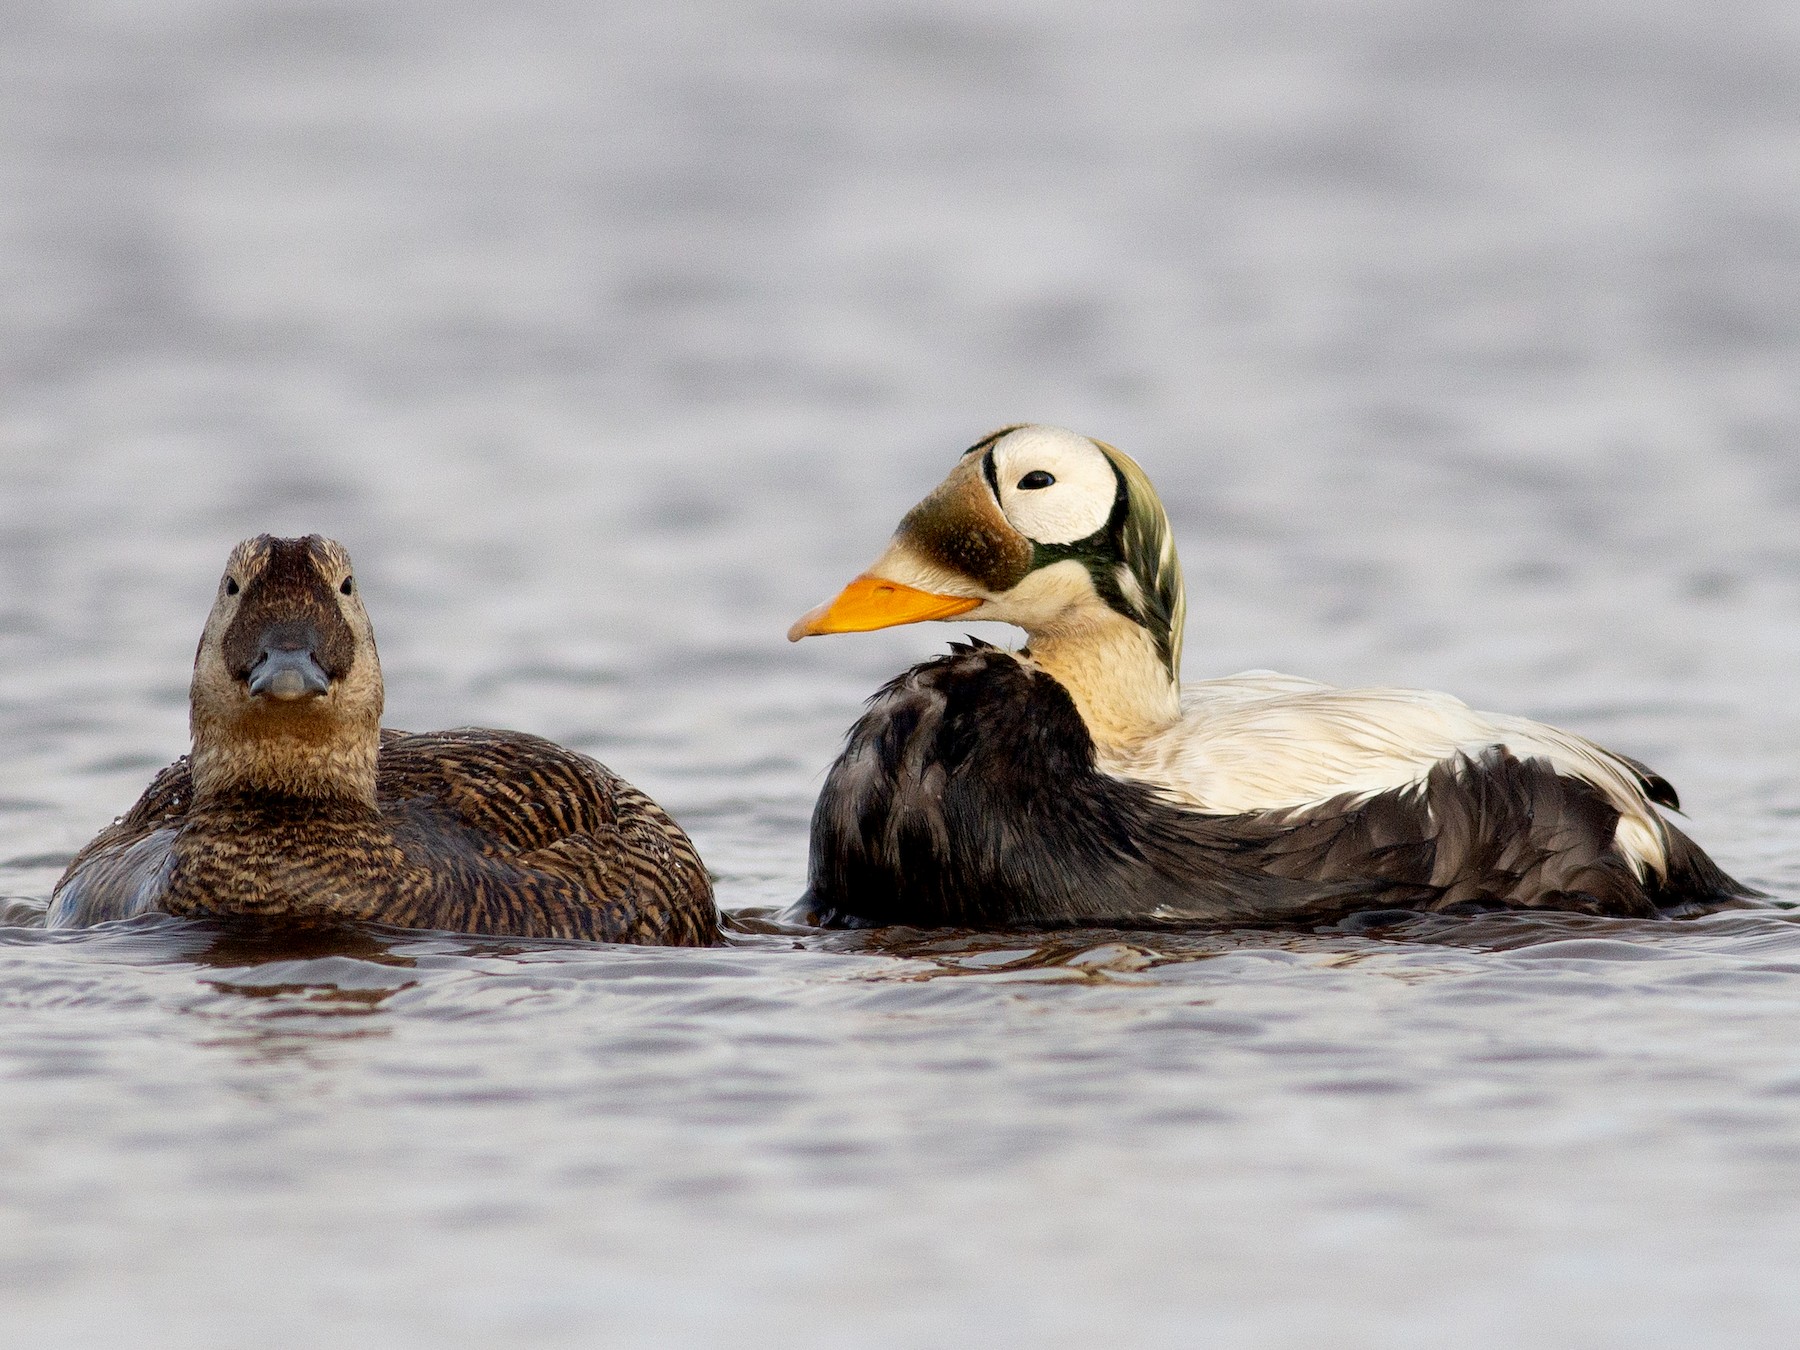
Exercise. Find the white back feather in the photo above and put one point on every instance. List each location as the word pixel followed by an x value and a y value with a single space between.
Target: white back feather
pixel 1266 742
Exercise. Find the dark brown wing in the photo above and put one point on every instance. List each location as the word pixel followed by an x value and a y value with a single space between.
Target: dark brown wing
pixel 553 823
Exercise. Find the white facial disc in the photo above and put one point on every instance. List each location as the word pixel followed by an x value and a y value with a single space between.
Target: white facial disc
pixel 1076 501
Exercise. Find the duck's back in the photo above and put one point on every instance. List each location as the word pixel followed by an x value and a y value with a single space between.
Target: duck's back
pixel 969 794
pixel 1262 741
pixel 556 831
pixel 477 831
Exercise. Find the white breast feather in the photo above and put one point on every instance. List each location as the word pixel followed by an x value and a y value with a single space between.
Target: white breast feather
pixel 1264 742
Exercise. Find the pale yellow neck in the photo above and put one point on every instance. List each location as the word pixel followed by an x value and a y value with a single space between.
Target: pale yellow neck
pixel 1111 669
pixel 291 757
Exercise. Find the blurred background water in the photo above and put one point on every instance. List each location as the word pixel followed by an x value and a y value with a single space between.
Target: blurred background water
pixel 1462 341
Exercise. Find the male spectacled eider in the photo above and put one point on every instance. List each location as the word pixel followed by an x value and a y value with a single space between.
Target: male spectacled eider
pixel 1078 781
pixel 295 805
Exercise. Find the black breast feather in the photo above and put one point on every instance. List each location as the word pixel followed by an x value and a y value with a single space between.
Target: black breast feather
pixel 967 795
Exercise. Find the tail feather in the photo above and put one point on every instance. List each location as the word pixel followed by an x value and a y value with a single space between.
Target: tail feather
pixel 1695 882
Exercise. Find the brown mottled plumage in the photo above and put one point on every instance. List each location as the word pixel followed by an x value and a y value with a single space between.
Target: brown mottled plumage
pixel 295 805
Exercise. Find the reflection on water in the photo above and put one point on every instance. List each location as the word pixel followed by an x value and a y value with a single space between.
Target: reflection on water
pixel 1460 340
pixel 329 971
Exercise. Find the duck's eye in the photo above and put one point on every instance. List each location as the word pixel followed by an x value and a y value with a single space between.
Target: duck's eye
pixel 349 586
pixel 1037 478
pixel 231 586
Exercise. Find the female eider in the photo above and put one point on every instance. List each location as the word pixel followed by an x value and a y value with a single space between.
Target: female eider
pixel 294 805
pixel 1078 781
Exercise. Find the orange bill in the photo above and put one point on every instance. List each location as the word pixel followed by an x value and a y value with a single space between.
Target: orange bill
pixel 875 602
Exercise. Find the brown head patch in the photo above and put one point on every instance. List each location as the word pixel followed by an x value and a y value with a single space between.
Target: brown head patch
pixel 288 600
pixel 959 527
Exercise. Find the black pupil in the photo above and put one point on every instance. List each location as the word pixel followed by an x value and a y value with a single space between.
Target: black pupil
pixel 231 586
pixel 348 585
pixel 1037 478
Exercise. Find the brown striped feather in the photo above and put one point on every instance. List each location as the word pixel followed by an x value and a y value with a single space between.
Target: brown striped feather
pixel 476 831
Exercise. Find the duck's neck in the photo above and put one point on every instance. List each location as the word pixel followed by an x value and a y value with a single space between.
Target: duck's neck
pixel 307 758
pixel 1112 670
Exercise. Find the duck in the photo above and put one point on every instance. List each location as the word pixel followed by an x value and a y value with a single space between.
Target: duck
pixel 294 806
pixel 1078 781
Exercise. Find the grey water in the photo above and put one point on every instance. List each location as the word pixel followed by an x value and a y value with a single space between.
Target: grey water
pixel 1464 343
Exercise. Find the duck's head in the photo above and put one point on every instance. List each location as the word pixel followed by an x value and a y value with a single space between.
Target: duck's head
pixel 287 692
pixel 1036 526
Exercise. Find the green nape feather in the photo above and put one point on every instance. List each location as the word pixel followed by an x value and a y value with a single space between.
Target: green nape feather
pixel 1148 546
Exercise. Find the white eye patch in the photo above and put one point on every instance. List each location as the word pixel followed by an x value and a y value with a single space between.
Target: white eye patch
pixel 1055 486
